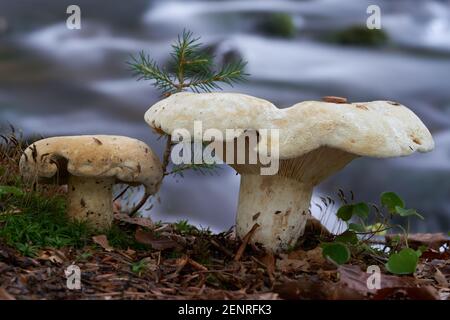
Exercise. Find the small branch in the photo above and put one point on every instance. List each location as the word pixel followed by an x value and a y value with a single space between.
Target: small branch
pixel 140 204
pixel 245 241
pixel 166 155
pixel 121 194
pixel 221 248
pixel 197 265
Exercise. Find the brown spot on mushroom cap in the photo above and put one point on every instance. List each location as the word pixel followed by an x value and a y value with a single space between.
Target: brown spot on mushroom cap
pixel 256 216
pixel 97 140
pixel 361 106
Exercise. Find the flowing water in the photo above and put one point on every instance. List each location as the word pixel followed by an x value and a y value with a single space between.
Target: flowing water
pixel 59 81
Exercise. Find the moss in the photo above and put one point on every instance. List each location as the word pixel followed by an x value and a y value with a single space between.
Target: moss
pixel 279 25
pixel 360 35
pixel 31 221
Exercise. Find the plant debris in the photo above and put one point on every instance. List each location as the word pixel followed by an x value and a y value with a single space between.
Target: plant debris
pixel 200 266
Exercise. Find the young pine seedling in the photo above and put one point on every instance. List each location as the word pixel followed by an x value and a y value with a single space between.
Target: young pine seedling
pixel 191 68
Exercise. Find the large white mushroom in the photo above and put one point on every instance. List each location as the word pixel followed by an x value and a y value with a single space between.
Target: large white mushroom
pixel 91 165
pixel 316 139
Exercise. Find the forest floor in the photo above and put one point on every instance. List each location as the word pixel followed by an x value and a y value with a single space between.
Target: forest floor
pixel 192 264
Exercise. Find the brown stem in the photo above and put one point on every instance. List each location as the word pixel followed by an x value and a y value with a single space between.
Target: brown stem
pixel 166 155
pixel 121 194
pixel 166 159
pixel 245 241
pixel 140 204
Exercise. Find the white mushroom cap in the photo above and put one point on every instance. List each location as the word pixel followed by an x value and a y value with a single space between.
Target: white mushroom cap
pixel 216 110
pixel 125 159
pixel 376 129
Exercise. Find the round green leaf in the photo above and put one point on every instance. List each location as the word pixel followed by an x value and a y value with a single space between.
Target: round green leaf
pixel 345 212
pixel 356 227
pixel 378 229
pixel 407 212
pixel 361 210
pixel 391 200
pixel 338 252
pixel 403 262
pixel 347 237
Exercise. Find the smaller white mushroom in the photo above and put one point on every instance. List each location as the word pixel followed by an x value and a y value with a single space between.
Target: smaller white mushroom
pixel 90 166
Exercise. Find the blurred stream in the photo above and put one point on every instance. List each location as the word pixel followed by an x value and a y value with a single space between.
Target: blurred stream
pixel 56 81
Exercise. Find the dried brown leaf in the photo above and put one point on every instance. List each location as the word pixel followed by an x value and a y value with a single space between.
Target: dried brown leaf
pixel 410 293
pixel 334 99
pixel 53 257
pixel 313 288
pixel 148 238
pixel 102 241
pixel 138 221
pixel 5 295
pixel 354 278
pixel 435 255
pixel 287 265
pixel 415 240
pixel 441 279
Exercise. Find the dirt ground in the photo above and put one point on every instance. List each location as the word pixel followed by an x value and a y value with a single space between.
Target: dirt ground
pixel 200 265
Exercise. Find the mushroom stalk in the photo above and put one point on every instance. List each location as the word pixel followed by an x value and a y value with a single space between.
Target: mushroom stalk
pixel 278 204
pixel 90 199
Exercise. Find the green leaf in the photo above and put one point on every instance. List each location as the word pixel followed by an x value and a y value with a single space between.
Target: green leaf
pixel 391 200
pixel 378 229
pixel 395 241
pixel 407 212
pixel 367 248
pixel 403 262
pixel 356 227
pixel 361 210
pixel 347 237
pixel 345 212
pixel 191 68
pixel 338 252
pixel 7 190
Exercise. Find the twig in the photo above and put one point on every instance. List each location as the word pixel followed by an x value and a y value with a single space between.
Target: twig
pixel 121 194
pixel 197 265
pixel 140 204
pixel 221 248
pixel 166 155
pixel 245 241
